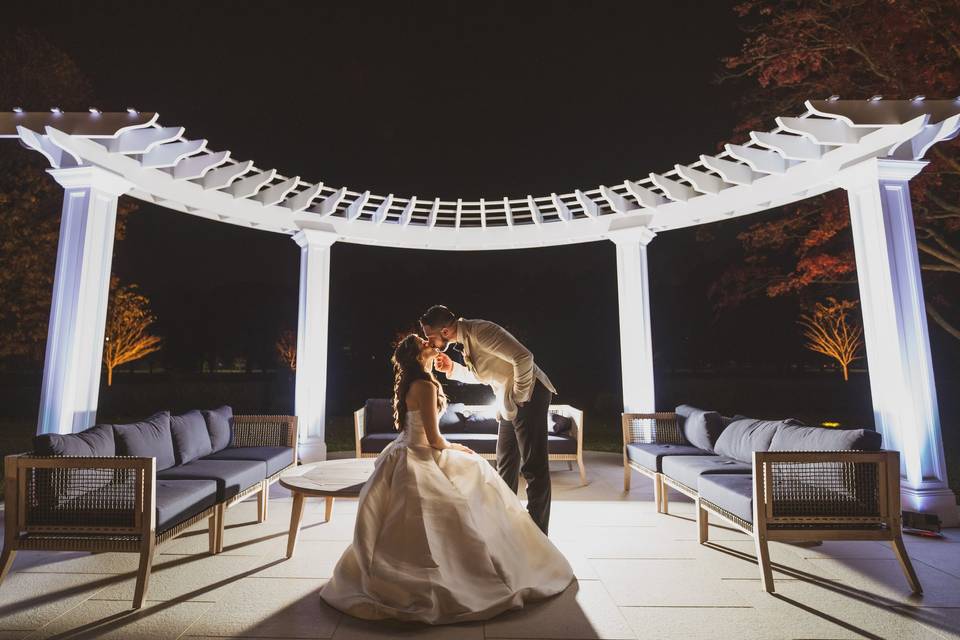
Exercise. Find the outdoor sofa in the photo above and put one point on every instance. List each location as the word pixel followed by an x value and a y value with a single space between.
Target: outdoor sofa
pixel 134 487
pixel 776 480
pixel 474 426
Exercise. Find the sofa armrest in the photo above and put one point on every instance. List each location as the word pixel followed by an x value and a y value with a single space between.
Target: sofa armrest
pixel 359 428
pixel 264 431
pixel 827 489
pixel 79 495
pixel 651 428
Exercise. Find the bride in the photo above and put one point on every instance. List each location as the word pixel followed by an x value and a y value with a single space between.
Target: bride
pixel 439 537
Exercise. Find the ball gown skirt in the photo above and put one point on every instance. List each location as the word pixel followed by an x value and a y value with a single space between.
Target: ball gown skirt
pixel 440 539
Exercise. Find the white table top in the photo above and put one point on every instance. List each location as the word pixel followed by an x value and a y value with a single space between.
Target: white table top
pixel 330 477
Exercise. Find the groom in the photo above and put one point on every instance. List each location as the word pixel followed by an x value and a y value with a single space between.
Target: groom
pixel 494 357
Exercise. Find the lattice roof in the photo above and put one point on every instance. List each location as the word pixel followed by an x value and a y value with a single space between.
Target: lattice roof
pixel 800 157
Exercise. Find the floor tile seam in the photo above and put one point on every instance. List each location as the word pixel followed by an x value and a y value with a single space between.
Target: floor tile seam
pixel 68 610
pixel 891 559
pixel 687 606
pixel 941 570
pixel 195 620
pixel 624 557
pixel 75 573
pixel 177 600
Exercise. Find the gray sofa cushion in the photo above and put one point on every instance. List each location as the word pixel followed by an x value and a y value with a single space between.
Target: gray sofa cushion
pixel 688 469
pixel 231 476
pixel 479 442
pixel 651 455
pixel 559 424
pixel 276 458
pixel 378 416
pixel 478 423
pixel 793 438
pixel 178 500
pixel 149 438
pixel 191 440
pixel 450 419
pixel 732 492
pixel 743 437
pixel 700 428
pixel 95 441
pixel 218 426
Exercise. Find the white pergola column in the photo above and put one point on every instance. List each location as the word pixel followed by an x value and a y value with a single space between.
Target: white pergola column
pixel 312 329
pixel 81 287
pixel 895 331
pixel 636 342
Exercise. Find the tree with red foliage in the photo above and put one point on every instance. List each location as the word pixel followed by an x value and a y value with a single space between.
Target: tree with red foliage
pixel 36 75
pixel 796 50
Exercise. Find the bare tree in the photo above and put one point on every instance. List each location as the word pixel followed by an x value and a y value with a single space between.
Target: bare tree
pixel 830 331
pixel 128 321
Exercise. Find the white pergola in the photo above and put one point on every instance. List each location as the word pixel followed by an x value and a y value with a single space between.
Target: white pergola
pixel 870 148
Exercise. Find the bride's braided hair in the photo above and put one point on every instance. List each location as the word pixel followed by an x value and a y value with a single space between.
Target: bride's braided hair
pixel 406 369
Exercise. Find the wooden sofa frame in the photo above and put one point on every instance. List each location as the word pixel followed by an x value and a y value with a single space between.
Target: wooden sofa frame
pixel 129 525
pixel 561 409
pixel 863 503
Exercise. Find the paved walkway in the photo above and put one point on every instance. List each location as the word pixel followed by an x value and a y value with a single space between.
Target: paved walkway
pixel 640 575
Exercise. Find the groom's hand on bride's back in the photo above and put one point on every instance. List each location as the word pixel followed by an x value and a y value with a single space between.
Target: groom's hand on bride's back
pixel 443 364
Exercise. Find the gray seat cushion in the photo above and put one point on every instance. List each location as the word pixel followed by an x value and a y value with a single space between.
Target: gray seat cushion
pixel 743 437
pixel 688 469
pixel 732 492
pixel 376 442
pixel 793 438
pixel 191 440
pixel 651 455
pixel 178 500
pixel 150 438
pixel 95 441
pixel 231 476
pixel 561 443
pixel 700 428
pixel 218 426
pixel 479 442
pixel 276 458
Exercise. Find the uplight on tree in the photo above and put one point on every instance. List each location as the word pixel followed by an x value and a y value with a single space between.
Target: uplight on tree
pixel 287 349
pixel 830 331
pixel 128 322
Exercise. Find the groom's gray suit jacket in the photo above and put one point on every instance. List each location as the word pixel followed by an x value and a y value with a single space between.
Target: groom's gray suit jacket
pixel 496 358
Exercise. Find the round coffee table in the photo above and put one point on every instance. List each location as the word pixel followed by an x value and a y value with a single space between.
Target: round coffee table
pixel 329 479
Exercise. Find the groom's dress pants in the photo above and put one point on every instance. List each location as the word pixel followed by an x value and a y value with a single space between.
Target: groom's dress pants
pixel 522 448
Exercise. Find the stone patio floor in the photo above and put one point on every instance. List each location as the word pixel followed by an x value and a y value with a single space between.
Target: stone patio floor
pixel 639 575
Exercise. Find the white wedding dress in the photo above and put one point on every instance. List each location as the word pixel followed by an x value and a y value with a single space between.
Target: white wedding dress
pixel 441 539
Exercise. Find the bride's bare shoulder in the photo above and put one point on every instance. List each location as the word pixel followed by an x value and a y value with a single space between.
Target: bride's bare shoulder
pixel 421 392
pixel 422 388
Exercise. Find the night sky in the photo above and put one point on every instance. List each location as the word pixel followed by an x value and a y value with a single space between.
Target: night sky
pixel 427 99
